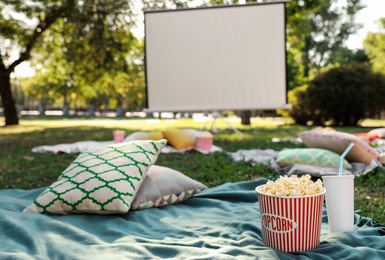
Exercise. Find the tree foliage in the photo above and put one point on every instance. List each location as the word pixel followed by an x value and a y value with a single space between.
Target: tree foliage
pixel 90 63
pixel 315 30
pixel 346 56
pixel 374 44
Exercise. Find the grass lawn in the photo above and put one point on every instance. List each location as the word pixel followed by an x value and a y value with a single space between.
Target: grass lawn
pixel 22 169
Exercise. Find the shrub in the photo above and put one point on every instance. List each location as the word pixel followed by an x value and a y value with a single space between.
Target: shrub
pixel 344 95
pixel 299 112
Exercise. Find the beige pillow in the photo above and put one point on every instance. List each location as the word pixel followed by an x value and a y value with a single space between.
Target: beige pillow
pixel 165 186
pixel 338 142
pixel 178 139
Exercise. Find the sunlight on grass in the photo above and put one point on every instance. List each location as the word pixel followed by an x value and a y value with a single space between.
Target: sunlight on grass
pixel 142 124
pixel 373 123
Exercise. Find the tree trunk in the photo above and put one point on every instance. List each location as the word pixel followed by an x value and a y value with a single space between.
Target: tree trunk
pixel 10 112
pixel 66 110
pixel 245 117
pixel 119 112
pixel 91 110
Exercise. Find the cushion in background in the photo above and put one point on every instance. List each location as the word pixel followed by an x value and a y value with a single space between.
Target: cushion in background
pixel 101 181
pixel 135 136
pixel 338 142
pixel 193 133
pixel 164 186
pixel 179 139
pixel 380 132
pixel 311 156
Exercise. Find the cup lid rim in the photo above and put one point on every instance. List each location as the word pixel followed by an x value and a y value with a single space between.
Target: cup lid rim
pixel 339 176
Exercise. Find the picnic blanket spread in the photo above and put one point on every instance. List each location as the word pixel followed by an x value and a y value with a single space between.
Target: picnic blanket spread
pixel 222 222
pixel 254 156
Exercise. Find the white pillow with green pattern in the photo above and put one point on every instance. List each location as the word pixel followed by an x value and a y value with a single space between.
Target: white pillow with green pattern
pixel 102 181
pixel 311 156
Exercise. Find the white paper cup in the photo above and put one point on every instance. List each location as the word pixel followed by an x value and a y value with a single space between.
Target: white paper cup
pixel 291 224
pixel 340 202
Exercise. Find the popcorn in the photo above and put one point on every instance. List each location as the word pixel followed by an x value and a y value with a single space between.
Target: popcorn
pixel 293 186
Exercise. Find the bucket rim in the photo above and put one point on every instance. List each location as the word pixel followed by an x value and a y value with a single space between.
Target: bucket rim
pixel 288 197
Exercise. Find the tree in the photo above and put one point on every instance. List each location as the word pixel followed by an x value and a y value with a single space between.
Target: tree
pixel 93 35
pixel 374 44
pixel 17 36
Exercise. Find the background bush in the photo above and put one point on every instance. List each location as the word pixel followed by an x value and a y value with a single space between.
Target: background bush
pixel 299 112
pixel 340 96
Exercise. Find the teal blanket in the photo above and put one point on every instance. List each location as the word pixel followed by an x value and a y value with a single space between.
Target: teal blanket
pixel 219 223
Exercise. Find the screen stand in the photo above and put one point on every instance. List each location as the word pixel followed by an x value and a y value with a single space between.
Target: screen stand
pixel 213 117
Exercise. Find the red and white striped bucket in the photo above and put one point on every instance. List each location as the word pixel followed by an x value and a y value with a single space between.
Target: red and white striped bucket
pixel 291 224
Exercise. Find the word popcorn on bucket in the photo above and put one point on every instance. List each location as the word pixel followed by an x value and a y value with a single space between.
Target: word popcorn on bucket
pixel 278 224
pixel 291 212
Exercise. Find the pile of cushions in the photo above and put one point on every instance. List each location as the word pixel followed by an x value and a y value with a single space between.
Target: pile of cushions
pixel 337 142
pixel 325 148
pixel 114 179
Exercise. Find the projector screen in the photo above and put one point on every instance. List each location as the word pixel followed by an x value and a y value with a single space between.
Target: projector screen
pixel 216 58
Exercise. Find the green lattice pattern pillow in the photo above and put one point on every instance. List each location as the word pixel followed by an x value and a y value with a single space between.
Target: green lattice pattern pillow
pixel 311 156
pixel 102 181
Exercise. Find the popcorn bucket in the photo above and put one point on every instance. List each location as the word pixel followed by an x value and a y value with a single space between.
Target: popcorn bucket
pixel 204 143
pixel 291 224
pixel 119 136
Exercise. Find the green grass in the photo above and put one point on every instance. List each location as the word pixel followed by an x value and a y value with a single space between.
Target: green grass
pixel 22 169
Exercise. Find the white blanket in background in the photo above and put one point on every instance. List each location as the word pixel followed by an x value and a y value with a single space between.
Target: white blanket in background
pixel 78 147
pixel 85 146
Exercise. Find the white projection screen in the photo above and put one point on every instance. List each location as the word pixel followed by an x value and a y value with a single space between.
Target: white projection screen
pixel 216 58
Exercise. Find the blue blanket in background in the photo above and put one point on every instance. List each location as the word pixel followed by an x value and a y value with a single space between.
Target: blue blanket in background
pixel 219 223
